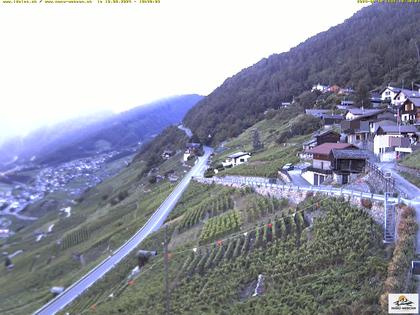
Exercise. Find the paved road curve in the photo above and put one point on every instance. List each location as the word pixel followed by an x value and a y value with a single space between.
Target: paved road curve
pixel 155 221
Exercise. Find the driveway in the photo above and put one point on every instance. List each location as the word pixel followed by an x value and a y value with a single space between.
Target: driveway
pixel 297 178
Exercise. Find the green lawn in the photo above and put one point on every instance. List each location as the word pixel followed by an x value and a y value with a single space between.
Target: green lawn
pixel 415 180
pixel 273 156
pixel 412 160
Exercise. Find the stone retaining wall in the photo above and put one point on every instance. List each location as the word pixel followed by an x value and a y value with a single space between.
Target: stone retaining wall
pixel 376 211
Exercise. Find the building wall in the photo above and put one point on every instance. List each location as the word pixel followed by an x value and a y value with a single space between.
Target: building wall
pixel 241 160
pixel 388 94
pixel 186 156
pixel 309 176
pixel 330 138
pixel 401 98
pixel 324 165
pixel 380 142
pixel 408 118
pixel 339 178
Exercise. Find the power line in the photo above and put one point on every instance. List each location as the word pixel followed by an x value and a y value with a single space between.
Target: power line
pixel 165 257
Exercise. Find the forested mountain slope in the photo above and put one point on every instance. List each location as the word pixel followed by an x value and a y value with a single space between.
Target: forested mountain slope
pixel 377 46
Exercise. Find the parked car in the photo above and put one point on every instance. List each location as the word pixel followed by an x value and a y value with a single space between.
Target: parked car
pixel 288 167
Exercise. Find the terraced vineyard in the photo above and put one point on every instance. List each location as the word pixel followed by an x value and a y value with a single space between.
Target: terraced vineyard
pixel 240 244
pixel 210 208
pixel 258 206
pixel 302 275
pixel 76 237
pixel 339 257
pixel 220 226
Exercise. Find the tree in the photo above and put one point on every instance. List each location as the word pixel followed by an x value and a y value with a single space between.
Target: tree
pixel 256 142
pixel 362 95
pixel 7 262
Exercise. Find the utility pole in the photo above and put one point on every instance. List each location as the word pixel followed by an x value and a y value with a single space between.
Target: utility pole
pixel 386 197
pixel 389 231
pixel 166 265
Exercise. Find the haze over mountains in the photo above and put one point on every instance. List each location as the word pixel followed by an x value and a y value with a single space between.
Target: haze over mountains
pixel 86 136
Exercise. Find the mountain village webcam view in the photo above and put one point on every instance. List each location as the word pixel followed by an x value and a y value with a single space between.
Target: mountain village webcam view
pixel 209 157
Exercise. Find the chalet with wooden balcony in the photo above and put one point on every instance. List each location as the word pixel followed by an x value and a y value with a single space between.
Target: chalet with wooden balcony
pixel 341 162
pixel 320 169
pixel 328 136
pixel 409 112
pixel 346 164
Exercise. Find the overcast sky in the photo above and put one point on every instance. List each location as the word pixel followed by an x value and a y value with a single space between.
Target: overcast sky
pixel 58 61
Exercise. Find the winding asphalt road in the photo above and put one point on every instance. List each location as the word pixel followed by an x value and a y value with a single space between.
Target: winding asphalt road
pixel 153 224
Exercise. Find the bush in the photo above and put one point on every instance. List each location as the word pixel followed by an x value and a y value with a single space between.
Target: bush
pixel 209 173
pixel 152 179
pixel 366 203
pixel 122 195
pixel 402 256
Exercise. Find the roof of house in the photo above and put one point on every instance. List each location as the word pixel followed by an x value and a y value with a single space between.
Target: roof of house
pixel 193 145
pixel 238 154
pixel 310 141
pixel 393 89
pixel 397 129
pixel 384 123
pixel 364 112
pixel 409 93
pixel 414 100
pixel 330 116
pixel 316 112
pixel 386 115
pixel 350 154
pixel 327 132
pixel 325 148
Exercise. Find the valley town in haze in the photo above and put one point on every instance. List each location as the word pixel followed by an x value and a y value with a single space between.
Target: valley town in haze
pixel 209 157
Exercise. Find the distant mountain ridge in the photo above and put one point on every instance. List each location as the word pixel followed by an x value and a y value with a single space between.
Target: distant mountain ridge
pixel 76 139
pixel 376 46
